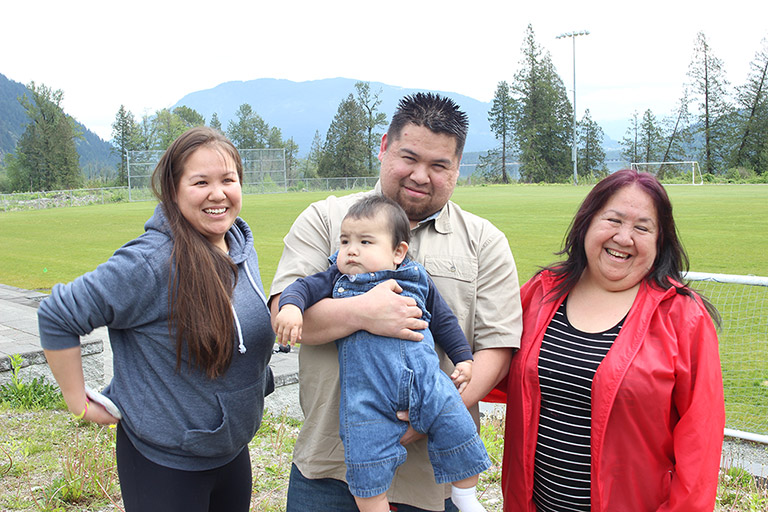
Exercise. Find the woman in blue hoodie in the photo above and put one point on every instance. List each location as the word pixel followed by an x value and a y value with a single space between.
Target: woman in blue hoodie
pixel 190 335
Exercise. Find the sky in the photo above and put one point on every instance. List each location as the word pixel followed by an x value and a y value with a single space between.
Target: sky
pixel 147 55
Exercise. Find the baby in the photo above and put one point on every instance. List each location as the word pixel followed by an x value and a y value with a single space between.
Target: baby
pixel 380 376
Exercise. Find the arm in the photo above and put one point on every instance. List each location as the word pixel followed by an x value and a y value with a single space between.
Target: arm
pixel 66 366
pixel 447 333
pixel 498 317
pixel 90 301
pixel 380 311
pixel 698 397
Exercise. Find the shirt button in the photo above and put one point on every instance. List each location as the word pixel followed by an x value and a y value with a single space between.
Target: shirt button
pixel 341 290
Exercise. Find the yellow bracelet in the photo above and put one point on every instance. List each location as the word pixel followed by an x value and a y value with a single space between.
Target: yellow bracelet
pixel 85 410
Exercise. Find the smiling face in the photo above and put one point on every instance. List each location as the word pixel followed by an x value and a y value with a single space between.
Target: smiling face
pixel 419 170
pixel 620 243
pixel 209 194
pixel 367 246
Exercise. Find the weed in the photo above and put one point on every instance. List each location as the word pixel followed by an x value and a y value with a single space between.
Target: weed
pixel 37 394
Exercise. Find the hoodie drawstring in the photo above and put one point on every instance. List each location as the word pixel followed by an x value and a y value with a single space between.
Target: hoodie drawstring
pixel 241 345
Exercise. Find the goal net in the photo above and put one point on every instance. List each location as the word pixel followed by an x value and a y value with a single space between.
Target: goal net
pixel 264 171
pixel 742 302
pixel 672 172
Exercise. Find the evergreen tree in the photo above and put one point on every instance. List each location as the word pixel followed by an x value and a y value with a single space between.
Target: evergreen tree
pixel 314 156
pixel 501 117
pixel 677 135
pixel 591 155
pixel 248 130
pixel 751 148
pixel 345 151
pixel 630 144
pixel 291 162
pixel 542 118
pixel 275 138
pixel 374 119
pixel 123 137
pixel 650 138
pixel 46 155
pixel 488 169
pixel 708 81
pixel 215 123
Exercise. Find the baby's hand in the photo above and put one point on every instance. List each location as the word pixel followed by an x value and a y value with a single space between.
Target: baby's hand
pixel 288 324
pixel 462 375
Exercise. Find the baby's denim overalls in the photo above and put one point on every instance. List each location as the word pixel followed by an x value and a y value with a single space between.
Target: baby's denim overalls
pixel 380 376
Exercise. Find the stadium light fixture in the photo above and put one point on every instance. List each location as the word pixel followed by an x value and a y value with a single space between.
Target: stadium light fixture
pixel 574 151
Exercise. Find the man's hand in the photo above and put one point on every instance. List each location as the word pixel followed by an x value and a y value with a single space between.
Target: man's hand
pixel 410 435
pixel 383 311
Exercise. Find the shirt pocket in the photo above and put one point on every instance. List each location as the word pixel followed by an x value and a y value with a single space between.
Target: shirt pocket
pixel 456 279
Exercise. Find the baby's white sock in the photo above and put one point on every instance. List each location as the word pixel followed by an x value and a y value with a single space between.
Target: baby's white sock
pixel 466 499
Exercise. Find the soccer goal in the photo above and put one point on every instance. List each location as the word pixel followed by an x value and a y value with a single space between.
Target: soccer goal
pixel 672 171
pixel 743 305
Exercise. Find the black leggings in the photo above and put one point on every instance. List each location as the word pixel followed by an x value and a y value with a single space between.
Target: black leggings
pixel 149 487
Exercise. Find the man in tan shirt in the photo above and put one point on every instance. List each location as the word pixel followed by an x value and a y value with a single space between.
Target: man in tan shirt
pixel 468 259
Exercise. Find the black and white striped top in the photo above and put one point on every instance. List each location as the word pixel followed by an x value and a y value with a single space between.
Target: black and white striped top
pixel 567 364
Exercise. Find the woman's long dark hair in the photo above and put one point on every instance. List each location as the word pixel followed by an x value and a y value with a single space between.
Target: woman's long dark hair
pixel 671 259
pixel 202 276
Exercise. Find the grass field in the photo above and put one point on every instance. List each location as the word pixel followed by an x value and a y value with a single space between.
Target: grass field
pixel 723 227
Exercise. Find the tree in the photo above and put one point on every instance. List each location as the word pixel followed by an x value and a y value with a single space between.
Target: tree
pixel 678 138
pixel 169 126
pixel 501 117
pixel 46 155
pixel 345 149
pixel 650 139
pixel 591 155
pixel 542 116
pixel 291 163
pixel 489 167
pixel 314 156
pixel 751 148
pixel 275 138
pixel 248 130
pixel 145 136
pixel 123 138
pixel 630 144
pixel 189 116
pixel 708 81
pixel 370 102
pixel 215 123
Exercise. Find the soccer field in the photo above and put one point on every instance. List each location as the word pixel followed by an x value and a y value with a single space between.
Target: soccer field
pixel 723 228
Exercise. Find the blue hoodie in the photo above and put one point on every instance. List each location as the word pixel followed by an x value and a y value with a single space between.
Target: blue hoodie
pixel 183 420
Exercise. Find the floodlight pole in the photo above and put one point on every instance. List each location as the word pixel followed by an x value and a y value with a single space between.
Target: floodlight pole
pixel 574 151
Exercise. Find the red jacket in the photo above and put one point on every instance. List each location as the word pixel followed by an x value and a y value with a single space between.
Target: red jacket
pixel 657 406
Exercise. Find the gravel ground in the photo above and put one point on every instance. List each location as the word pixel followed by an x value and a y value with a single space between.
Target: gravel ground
pixel 747 455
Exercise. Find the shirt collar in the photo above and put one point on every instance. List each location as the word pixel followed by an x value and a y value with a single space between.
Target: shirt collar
pixel 441 217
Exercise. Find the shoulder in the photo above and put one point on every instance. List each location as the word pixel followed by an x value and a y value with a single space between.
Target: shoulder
pixel 332 207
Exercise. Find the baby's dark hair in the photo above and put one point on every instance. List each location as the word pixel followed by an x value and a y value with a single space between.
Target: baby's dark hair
pixel 397 220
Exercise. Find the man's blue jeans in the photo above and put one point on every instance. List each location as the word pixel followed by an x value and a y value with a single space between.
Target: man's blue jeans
pixel 331 495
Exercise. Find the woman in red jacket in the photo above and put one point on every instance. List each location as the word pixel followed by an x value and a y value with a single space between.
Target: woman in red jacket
pixel 615 398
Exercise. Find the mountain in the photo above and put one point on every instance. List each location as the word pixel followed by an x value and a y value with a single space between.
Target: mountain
pixel 96 156
pixel 301 108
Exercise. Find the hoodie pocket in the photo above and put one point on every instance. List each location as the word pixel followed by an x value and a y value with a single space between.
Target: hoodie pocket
pixel 241 416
